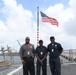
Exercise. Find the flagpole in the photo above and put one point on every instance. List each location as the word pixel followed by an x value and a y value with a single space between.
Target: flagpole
pixel 37 25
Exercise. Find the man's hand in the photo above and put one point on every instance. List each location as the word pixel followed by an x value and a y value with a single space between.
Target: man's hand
pixel 23 62
pixel 41 61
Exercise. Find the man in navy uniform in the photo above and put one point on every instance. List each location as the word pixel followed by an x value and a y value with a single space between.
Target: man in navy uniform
pixel 41 54
pixel 27 57
pixel 54 49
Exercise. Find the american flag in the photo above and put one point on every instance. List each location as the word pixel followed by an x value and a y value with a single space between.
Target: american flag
pixel 45 18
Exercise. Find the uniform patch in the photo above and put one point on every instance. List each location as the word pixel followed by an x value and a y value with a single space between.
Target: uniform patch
pixel 41 53
pixel 52 44
pixel 28 52
pixel 55 45
pixel 52 50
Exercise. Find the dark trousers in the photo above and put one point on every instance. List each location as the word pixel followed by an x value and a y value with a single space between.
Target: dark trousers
pixel 44 67
pixel 28 67
pixel 55 66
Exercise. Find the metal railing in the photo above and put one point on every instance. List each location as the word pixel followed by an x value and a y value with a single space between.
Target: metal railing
pixel 69 54
pixel 15 58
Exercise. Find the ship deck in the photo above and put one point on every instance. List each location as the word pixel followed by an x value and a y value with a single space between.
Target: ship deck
pixel 66 69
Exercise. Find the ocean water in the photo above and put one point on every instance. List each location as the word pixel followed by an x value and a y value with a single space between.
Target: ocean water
pixel 13 59
pixel 17 60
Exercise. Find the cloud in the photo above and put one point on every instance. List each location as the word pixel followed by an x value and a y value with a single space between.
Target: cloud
pixel 66 18
pixel 71 24
pixel 20 23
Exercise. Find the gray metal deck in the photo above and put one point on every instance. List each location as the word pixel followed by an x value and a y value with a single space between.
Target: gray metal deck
pixel 5 70
pixel 66 69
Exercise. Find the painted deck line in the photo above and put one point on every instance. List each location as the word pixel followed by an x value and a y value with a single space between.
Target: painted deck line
pixel 14 71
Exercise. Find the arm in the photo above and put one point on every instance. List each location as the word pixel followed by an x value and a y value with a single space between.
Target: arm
pixel 44 57
pixel 41 61
pixel 60 48
pixel 33 50
pixel 36 54
pixel 61 51
pixel 37 57
pixel 21 56
pixel 48 48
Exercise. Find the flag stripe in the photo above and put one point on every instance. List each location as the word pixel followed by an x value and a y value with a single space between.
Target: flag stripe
pixel 50 20
pixel 45 18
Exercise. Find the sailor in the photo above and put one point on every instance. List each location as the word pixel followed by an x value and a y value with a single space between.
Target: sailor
pixel 41 54
pixel 54 49
pixel 27 57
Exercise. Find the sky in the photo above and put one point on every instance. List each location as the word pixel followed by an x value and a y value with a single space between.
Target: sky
pixel 18 19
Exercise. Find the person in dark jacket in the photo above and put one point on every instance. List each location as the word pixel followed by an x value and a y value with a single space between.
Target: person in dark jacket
pixel 41 54
pixel 55 49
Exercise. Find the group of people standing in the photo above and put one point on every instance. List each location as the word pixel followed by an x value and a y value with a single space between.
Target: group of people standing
pixel 28 53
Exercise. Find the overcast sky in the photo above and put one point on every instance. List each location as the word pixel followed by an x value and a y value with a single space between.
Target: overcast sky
pixel 18 19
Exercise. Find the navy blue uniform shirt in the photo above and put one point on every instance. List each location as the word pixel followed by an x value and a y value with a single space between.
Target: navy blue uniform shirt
pixel 41 51
pixel 54 49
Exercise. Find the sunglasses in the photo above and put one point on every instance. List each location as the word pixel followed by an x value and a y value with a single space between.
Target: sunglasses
pixel 27 39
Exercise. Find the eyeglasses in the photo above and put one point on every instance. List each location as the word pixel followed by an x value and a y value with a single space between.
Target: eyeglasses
pixel 27 39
